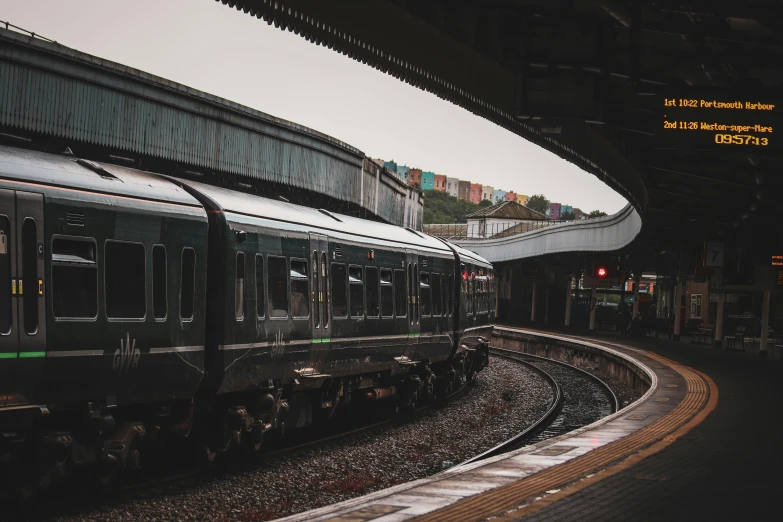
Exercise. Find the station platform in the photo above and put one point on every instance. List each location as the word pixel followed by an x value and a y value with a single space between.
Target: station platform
pixel 704 443
pixel 727 467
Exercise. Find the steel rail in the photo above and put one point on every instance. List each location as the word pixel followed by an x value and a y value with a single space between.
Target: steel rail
pixel 549 417
pixel 607 389
pixel 545 420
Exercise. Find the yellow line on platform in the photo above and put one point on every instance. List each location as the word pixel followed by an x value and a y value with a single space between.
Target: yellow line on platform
pixel 506 502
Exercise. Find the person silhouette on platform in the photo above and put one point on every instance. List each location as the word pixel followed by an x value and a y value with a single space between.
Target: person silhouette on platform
pixel 623 319
pixel 635 326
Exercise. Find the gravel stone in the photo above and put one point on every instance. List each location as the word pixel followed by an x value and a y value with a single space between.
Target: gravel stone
pixel 505 399
pixel 584 400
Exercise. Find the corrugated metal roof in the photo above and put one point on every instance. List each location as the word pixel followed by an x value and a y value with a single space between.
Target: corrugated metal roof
pixel 508 210
pixel 53 90
pixel 446 230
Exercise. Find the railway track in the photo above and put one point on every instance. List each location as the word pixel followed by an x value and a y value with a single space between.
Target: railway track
pixel 565 413
pixel 179 481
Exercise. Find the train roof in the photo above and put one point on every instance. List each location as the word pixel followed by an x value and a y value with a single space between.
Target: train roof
pixel 321 220
pixel 464 254
pixel 52 170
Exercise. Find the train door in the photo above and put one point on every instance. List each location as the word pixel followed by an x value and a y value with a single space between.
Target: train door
pixel 414 321
pixel 320 301
pixel 22 312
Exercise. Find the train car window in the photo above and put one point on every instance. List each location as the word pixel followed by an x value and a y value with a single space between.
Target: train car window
pixel 472 289
pixel 450 295
pixel 125 279
pixel 487 295
pixel 387 293
pixel 187 289
pixel 492 294
pixel 239 287
pixel 339 291
pixel 277 274
pixel 300 293
pixel 471 294
pixel 373 288
pixel 325 289
pixel 5 276
pixel 417 293
pixel 30 277
pixel 479 296
pixel 316 292
pixel 464 290
pixel 424 293
pixel 411 294
pixel 260 294
pixel 444 294
pixel 356 285
pixel 159 294
pixel 400 293
pixel 74 278
pixel 436 297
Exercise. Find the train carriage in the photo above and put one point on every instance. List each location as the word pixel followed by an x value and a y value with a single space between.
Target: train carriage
pixel 137 305
pixel 325 301
pixel 102 301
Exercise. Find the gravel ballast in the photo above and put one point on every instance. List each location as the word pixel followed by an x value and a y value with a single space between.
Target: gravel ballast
pixel 506 398
pixel 584 400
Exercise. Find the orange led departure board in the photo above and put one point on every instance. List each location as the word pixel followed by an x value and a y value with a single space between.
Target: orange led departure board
pixel 720 119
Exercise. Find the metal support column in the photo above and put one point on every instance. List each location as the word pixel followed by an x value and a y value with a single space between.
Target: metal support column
pixel 719 320
pixel 568 303
pixel 636 282
pixel 546 306
pixel 533 306
pixel 593 301
pixel 676 309
pixel 764 323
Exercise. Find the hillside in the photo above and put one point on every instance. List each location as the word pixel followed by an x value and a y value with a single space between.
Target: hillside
pixel 440 207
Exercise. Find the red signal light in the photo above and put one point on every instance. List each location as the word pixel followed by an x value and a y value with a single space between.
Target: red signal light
pixel 601 272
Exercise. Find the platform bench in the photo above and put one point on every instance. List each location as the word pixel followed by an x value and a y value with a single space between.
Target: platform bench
pixel 738 338
pixel 703 335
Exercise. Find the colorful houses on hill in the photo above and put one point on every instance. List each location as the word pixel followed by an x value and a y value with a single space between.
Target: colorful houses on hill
pixel 473 192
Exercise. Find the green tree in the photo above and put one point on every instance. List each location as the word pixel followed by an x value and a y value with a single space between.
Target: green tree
pixel 567 216
pixel 539 203
pixel 596 213
pixel 442 208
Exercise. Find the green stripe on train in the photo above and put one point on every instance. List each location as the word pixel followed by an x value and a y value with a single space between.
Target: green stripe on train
pixel 22 355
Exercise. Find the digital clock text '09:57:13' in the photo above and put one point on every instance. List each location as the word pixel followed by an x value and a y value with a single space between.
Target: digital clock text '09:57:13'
pixel 740 139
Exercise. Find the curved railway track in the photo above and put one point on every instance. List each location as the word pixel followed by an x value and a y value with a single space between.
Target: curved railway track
pixel 564 410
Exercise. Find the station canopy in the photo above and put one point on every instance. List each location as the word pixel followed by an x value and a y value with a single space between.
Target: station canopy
pixel 674 104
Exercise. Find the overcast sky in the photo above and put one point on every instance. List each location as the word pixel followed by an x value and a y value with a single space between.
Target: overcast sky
pixel 213 48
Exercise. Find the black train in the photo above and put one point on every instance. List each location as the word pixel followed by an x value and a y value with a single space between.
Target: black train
pixel 136 308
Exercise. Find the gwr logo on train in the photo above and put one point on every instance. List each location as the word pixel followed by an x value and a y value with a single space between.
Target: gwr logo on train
pixel 277 346
pixel 126 356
